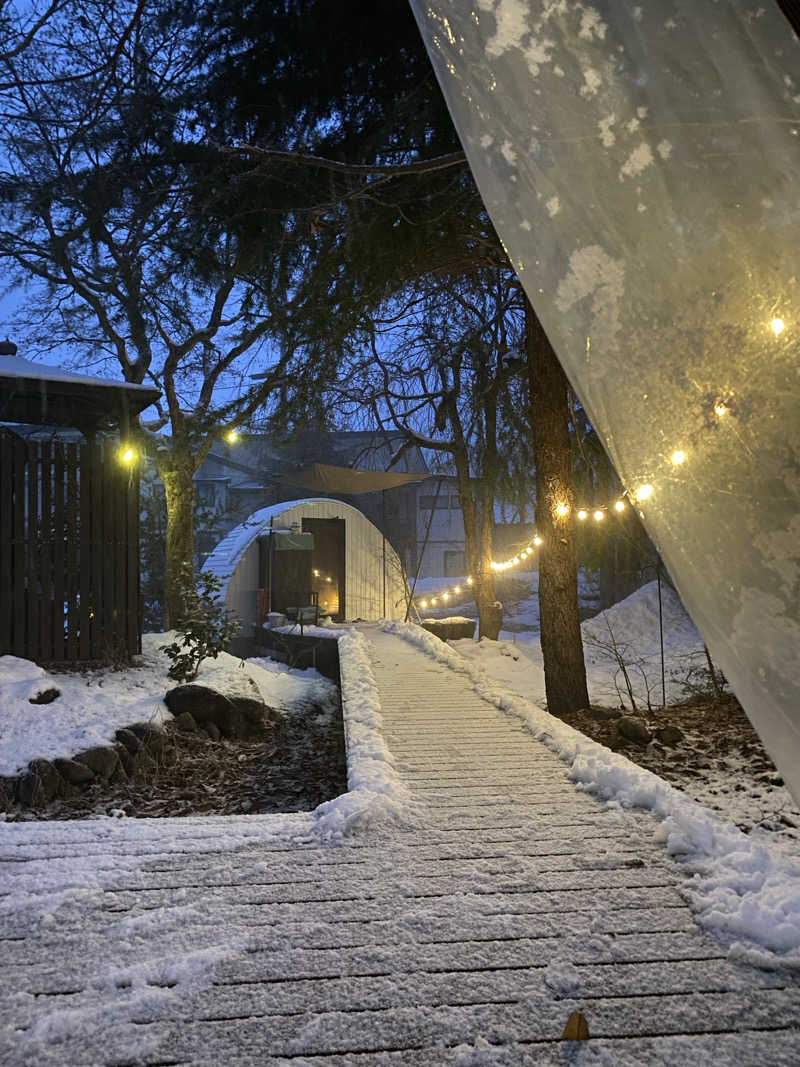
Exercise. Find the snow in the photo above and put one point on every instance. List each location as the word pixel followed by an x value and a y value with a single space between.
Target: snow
pixel 94 704
pixel 17 367
pixel 737 886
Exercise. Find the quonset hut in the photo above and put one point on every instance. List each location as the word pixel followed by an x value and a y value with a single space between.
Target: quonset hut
pixel 315 551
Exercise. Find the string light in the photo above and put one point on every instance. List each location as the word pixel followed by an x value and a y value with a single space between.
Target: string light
pixel 720 409
pixel 562 509
pixel 127 454
pixel 620 505
pixel 777 326
pixel 678 457
pixel 583 514
pixel 644 492
pixel 599 515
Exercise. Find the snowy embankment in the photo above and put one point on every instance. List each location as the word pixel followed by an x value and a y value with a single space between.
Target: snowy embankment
pixel 737 887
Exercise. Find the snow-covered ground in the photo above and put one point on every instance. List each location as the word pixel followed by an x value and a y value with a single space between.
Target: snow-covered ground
pixel 94 704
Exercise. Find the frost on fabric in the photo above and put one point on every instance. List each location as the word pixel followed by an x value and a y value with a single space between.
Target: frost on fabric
pixel 736 887
pixel 592 272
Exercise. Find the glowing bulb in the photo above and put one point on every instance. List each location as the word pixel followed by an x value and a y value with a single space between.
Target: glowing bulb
pixel 316 574
pixel 537 540
pixel 232 436
pixel 469 581
pixel 643 492
pixel 329 579
pixel 434 601
pixel 777 326
pixel 562 509
pixel 423 604
pixel 127 456
pixel 678 457
pixel 720 409
pixel 457 590
pixel 516 560
pixel 583 514
pixel 598 515
pixel 445 596
pixel 620 505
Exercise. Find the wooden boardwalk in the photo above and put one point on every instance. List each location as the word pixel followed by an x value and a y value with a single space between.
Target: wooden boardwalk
pixel 466 940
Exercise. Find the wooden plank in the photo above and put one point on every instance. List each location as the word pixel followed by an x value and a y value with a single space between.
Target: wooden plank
pixel 46 553
pixel 130 555
pixel 72 549
pixel 6 535
pixel 32 554
pixel 18 552
pixel 97 519
pixel 59 557
pixel 85 550
pixel 106 504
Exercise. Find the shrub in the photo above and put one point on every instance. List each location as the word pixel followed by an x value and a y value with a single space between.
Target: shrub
pixel 206 630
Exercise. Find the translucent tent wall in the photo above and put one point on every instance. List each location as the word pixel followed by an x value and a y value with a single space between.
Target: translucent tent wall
pixel 642 166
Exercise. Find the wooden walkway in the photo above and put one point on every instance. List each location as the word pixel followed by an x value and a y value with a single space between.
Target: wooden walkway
pixel 468 940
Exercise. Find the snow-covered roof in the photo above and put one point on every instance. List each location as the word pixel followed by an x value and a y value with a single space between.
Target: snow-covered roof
pixel 17 367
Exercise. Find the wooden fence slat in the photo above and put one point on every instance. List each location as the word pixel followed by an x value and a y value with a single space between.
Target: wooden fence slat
pixel 7 444
pixel 85 550
pixel 72 551
pixel 134 607
pixel 59 556
pixel 97 649
pixel 18 551
pixel 32 585
pixel 46 553
pixel 110 599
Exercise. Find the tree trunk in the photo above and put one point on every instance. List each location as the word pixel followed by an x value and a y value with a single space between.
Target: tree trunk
pixel 176 475
pixel 479 553
pixel 562 647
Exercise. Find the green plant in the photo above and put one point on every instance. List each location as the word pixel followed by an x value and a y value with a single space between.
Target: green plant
pixel 206 629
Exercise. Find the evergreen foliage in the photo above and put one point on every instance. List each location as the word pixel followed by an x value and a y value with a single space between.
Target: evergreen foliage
pixel 207 627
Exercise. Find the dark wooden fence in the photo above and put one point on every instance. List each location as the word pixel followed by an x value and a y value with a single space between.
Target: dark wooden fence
pixel 69 552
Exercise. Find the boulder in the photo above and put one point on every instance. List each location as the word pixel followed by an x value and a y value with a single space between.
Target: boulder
pixel 237 716
pixel 73 772
pixel 129 740
pixel 127 760
pixel 45 696
pixel 634 729
pixel 103 761
pixel 40 785
pixel 602 714
pixel 669 735
pixel 152 737
pixel 185 722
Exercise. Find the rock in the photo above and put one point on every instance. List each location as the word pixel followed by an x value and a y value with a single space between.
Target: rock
pixel 185 722
pixel 603 714
pixel 669 735
pixel 40 785
pixel 127 760
pixel 633 729
pixel 152 737
pixel 237 716
pixel 7 786
pixel 129 740
pixel 46 696
pixel 73 772
pixel 103 760
pixel 212 730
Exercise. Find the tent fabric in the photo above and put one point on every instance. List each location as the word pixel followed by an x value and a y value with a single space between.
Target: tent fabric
pixel 641 166
pixel 324 478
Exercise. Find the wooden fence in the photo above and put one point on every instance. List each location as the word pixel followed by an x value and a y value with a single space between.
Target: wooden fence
pixel 69 552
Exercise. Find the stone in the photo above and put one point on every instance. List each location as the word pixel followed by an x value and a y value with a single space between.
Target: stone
pixel 40 785
pixel 213 731
pixel 237 716
pixel 669 735
pixel 73 772
pixel 185 722
pixel 46 696
pixel 129 740
pixel 127 760
pixel 152 737
pixel 103 760
pixel 602 714
pixel 634 729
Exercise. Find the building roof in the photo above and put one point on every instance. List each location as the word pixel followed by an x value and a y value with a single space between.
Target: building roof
pixel 36 393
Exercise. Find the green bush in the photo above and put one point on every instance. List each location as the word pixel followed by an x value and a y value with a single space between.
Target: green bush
pixel 206 630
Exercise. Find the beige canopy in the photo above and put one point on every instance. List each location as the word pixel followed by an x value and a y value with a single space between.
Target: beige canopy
pixel 323 478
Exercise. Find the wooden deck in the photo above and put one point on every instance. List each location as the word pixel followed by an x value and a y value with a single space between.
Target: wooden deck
pixel 466 941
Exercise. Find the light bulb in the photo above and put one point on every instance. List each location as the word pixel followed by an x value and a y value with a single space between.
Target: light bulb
pixel 445 596
pixel 537 540
pixel 457 590
pixel 562 509
pixel 127 455
pixel 598 515
pixel 469 581
pixel 720 409
pixel 583 514
pixel 620 505
pixel 777 326
pixel 434 601
pixel 678 457
pixel 232 436
pixel 643 492
pixel 423 604
pixel 516 560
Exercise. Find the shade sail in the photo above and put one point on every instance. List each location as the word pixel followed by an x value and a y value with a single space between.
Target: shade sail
pixel 324 478
pixel 641 165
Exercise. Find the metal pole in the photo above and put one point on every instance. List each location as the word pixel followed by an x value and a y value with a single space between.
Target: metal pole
pixel 424 546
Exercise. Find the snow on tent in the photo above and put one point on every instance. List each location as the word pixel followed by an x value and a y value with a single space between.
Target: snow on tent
pixel 315 551
pixel 641 166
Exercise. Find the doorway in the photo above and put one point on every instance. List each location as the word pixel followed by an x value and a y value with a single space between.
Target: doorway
pixel 328 565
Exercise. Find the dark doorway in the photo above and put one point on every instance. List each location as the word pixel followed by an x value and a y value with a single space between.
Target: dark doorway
pixel 328 564
pixel 285 561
